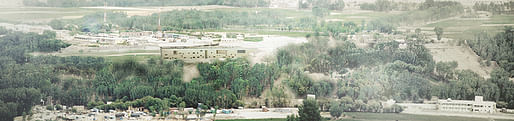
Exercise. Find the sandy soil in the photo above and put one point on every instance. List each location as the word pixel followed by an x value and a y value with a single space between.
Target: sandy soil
pixel 263 49
pixel 190 72
pixel 464 56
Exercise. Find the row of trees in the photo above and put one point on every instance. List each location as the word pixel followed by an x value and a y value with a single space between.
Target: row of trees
pixel 387 5
pixel 327 4
pixel 175 20
pixel 498 48
pixel 496 8
pixel 428 12
pixel 124 3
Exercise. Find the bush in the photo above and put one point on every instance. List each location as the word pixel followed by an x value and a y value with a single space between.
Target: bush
pixel 49 107
pixel 58 107
pixel 336 110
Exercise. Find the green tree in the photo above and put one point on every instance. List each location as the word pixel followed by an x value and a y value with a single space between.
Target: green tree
pixel 445 70
pixel 320 11
pixel 439 32
pixel 309 111
pixel 335 109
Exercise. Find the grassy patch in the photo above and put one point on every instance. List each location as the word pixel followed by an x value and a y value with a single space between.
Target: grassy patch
pixel 405 117
pixel 282 12
pixel 359 16
pixel 262 32
pixel 271 119
pixel 138 58
pixel 253 39
pixel 501 19
pixel 462 29
pixel 41 14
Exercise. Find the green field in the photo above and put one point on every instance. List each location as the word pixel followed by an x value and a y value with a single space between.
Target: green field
pixel 357 116
pixel 461 29
pixel 139 58
pixel 406 117
pixel 253 39
pixel 262 32
pixel 41 14
pixel 271 119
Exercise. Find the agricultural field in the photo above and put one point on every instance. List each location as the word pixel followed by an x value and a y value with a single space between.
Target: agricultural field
pixel 273 119
pixel 461 28
pixel 405 117
pixel 358 116
pixel 39 15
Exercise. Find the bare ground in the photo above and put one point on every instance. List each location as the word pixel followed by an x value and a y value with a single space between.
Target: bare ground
pixel 463 55
pixel 190 72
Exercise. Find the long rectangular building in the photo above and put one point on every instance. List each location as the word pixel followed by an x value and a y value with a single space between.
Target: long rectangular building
pixel 478 105
pixel 201 52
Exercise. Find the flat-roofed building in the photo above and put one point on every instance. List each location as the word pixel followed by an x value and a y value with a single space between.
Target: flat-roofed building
pixel 201 52
pixel 478 105
pixel 136 34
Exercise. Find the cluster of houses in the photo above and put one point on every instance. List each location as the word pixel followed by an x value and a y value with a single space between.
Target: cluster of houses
pixel 143 37
pixel 175 45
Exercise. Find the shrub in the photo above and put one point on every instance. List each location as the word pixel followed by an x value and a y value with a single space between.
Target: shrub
pixel 49 107
pixel 58 107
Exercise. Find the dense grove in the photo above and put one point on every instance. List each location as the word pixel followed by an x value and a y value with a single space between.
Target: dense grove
pixel 23 83
pixel 386 5
pixel 82 3
pixel 174 20
pixel 498 48
pixel 386 71
pixel 496 8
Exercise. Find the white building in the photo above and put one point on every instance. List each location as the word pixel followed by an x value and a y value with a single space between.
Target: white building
pixel 478 105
